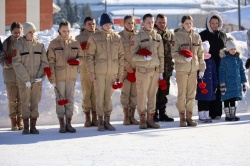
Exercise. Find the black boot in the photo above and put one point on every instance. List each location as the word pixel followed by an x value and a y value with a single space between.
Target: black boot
pixel 156 118
pixel 165 118
pixel 26 126
pixel 62 128
pixel 33 129
pixel 228 117
pixel 233 113
pixel 69 128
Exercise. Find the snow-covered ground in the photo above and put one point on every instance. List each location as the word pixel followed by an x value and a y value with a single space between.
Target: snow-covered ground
pixel 215 144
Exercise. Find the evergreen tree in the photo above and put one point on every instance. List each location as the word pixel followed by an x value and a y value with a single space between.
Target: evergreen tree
pixel 88 11
pixel 69 10
pixel 59 16
pixel 76 14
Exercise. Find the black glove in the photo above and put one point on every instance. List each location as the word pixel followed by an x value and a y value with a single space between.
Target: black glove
pixel 244 88
pixel 247 64
pixel 222 88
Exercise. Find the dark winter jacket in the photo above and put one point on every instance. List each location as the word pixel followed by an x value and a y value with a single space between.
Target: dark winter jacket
pixel 211 80
pixel 1 46
pixel 232 74
pixel 217 39
pixel 167 38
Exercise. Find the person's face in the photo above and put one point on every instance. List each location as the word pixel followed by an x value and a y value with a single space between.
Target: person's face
pixel 187 25
pixel 232 51
pixel 148 23
pixel 107 27
pixel 129 24
pixel 90 25
pixel 161 23
pixel 214 24
pixel 16 32
pixel 30 35
pixel 64 31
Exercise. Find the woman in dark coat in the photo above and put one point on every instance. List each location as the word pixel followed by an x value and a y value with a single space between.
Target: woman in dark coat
pixel 217 40
pixel 205 94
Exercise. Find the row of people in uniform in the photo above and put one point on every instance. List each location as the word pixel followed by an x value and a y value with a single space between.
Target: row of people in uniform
pixel 141 64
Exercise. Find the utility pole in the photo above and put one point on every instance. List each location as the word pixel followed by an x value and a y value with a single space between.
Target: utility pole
pixel 239 17
pixel 106 6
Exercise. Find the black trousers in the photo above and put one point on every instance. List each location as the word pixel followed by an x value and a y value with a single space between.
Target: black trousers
pixel 203 105
pixel 230 102
pixel 215 106
pixel 161 97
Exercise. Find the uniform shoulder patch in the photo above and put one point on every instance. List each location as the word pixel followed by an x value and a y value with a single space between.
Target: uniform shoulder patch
pixel 196 44
pixel 173 43
pixel 132 42
pixel 13 53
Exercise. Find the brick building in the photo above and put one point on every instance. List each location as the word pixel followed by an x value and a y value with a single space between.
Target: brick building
pixel 39 12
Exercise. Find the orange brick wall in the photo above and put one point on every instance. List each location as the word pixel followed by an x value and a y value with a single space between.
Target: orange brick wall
pixel 15 11
pixel 46 16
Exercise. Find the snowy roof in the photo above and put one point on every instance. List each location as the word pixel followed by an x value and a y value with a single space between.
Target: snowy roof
pixel 231 17
pixel 152 3
pixel 56 8
pixel 83 1
pixel 165 11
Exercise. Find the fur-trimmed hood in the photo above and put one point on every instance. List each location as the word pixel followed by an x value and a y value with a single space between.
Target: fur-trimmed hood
pixel 224 53
pixel 209 18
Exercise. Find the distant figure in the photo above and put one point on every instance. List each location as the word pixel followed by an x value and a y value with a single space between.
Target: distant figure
pixel 217 40
pixel 88 91
pixel 189 59
pixel 232 79
pixel 161 97
pixel 8 50
pixel 29 64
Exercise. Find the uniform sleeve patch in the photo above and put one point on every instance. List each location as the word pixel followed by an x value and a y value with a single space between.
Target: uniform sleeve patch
pixel 13 53
pixel 196 44
pixel 185 45
pixel 132 43
pixel 173 43
pixel 144 40
pixel 58 48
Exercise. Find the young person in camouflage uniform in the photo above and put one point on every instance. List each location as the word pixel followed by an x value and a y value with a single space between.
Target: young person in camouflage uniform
pixel 161 97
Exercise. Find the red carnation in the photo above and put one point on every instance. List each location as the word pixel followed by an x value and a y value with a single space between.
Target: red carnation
pixel 47 71
pixel 144 52
pixel 204 91
pixel 73 62
pixel 131 77
pixel 187 53
pixel 84 45
pixel 164 87
pixel 202 85
pixel 9 59
pixel 162 82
